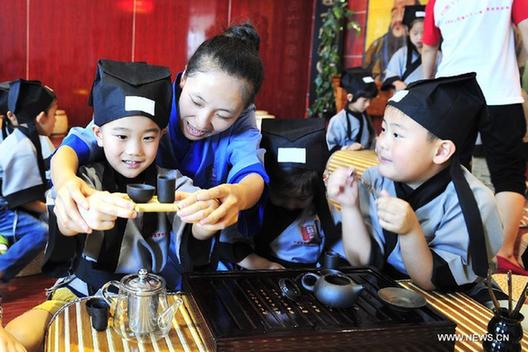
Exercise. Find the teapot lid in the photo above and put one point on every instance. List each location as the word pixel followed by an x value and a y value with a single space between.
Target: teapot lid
pixel 143 283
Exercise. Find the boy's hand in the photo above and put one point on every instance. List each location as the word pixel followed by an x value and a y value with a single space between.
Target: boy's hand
pixel 343 187
pixel 395 215
pixel 230 205
pixel 353 146
pixel 104 208
pixel 399 85
pixel 193 210
pixel 72 196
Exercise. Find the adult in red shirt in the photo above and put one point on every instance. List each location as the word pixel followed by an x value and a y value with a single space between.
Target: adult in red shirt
pixel 478 36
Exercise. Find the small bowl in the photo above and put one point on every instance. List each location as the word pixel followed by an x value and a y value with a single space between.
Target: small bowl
pixel 401 298
pixel 140 193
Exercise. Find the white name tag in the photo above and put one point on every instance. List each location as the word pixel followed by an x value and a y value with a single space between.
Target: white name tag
pixel 420 14
pixel 368 79
pixel 133 103
pixel 399 95
pixel 291 155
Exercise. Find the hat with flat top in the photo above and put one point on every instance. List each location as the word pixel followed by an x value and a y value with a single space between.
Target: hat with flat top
pixel 122 89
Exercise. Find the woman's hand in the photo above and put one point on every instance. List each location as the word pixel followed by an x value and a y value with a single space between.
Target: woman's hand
pixel 8 343
pixel 103 210
pixel 230 197
pixel 193 210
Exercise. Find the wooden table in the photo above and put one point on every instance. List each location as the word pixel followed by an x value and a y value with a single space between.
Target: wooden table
pixel 70 329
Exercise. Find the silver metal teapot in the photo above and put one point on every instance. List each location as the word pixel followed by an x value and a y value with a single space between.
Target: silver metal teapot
pixel 140 309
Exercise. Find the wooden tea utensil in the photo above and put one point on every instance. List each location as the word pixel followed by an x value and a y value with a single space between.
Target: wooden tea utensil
pixel 520 302
pixel 154 206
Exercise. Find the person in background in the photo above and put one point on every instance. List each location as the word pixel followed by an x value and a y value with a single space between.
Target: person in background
pixel 351 128
pixel 381 50
pixel 31 106
pixel 405 66
pixel 420 213
pixel 299 225
pixel 478 36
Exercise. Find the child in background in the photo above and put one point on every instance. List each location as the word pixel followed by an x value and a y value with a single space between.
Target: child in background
pixel 423 215
pixel 298 224
pixel 23 174
pixel 351 128
pixel 131 104
pixel 405 66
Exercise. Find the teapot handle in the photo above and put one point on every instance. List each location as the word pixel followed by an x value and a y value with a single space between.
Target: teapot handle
pixel 104 290
pixel 305 282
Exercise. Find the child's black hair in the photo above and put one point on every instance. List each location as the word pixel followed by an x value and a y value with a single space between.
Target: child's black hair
pixel 300 182
pixel 234 52
pixel 352 81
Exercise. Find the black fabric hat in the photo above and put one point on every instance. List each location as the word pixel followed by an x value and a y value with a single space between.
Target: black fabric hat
pixel 299 143
pixel 27 99
pixel 359 82
pixel 448 107
pixel 4 93
pixel 412 13
pixel 123 89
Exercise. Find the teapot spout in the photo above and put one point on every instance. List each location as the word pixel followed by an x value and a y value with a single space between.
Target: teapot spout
pixel 166 317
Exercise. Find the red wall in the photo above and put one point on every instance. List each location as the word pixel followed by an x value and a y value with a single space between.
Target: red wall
pixel 60 41
pixel 354 46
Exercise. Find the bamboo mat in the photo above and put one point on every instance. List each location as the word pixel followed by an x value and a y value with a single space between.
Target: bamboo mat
pixel 358 159
pixel 471 317
pixel 71 330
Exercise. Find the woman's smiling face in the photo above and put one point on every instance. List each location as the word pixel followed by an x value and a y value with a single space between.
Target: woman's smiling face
pixel 210 102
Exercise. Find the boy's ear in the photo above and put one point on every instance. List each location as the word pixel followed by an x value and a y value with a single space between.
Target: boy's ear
pixel 12 118
pixel 444 151
pixel 98 133
pixel 349 97
pixel 41 118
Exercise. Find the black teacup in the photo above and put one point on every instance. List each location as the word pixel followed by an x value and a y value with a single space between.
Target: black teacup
pixel 98 310
pixel 140 193
pixel 166 188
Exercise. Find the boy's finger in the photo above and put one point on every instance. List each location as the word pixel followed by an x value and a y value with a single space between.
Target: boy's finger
pixel 384 193
pixel 110 206
pixel 178 196
pixel 217 215
pixel 191 209
pixel 68 214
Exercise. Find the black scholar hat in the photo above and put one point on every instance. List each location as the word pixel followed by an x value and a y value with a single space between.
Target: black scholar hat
pixel 122 89
pixel 448 107
pixel 296 143
pixel 27 99
pixel 413 13
pixel 359 82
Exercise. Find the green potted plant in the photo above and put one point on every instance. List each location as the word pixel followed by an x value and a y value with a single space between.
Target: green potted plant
pixel 329 61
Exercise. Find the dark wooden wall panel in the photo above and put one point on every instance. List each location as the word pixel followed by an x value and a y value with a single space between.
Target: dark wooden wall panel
pixel 65 43
pixel 285 29
pixel 13 39
pixel 66 38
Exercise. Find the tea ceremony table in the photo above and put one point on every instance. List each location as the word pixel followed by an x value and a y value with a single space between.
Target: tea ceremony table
pixel 71 330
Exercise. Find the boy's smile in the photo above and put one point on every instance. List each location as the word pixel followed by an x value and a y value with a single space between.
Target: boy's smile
pixel 130 144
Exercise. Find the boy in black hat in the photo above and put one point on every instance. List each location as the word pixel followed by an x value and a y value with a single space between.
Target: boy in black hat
pixel 351 128
pixel 23 172
pixel 131 103
pixel 298 225
pixel 422 214
pixel 405 66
